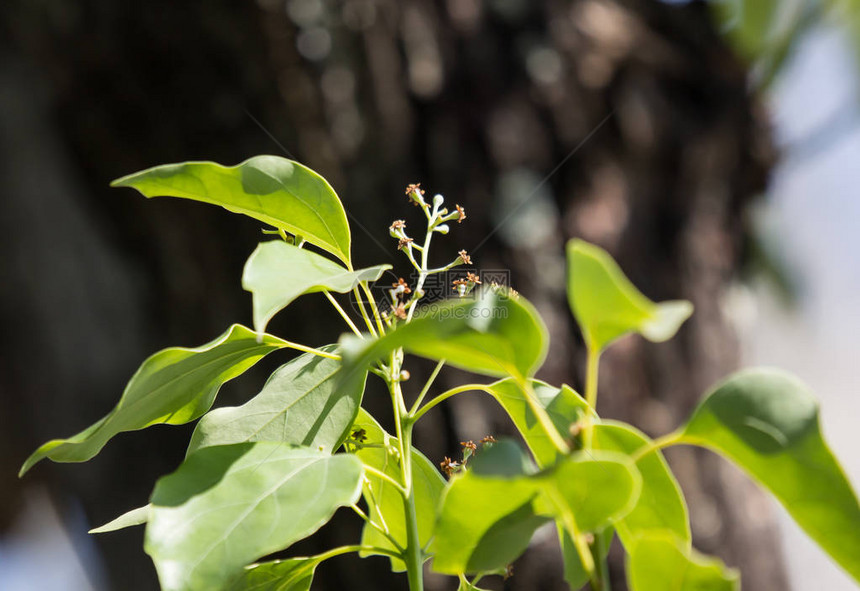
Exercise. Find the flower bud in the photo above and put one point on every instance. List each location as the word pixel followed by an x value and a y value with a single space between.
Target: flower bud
pixel 438 200
pixel 396 229
pixel 442 228
pixel 415 194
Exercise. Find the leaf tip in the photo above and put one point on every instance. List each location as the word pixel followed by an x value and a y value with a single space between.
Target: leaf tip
pixel 29 463
pixel 123 181
pixel 668 318
pixel 578 245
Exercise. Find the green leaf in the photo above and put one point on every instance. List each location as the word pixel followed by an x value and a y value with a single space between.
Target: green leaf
pixel 492 334
pixel 277 273
pixel 606 305
pixel 302 403
pixel 274 190
pixel 591 492
pixel 661 505
pixel 488 515
pixel 574 572
pixel 486 520
pixel 658 563
pixel 598 488
pixel 384 501
pixel 293 574
pixel 228 505
pixel 131 518
pixel 766 421
pixel 563 406
pixel 174 386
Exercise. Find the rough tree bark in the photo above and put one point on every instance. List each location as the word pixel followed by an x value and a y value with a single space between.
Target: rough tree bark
pixel 625 122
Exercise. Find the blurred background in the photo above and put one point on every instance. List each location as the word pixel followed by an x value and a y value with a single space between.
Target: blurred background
pixel 712 147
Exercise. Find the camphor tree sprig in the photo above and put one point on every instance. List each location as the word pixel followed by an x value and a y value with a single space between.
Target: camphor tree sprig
pixel 259 477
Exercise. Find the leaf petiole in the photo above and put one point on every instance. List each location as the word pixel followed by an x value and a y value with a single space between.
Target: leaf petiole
pixel 374 308
pixel 426 387
pixel 306 349
pixel 383 476
pixel 591 377
pixel 383 530
pixel 343 314
pixel 414 416
pixel 667 440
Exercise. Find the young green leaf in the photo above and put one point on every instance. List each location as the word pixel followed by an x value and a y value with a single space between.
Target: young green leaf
pixel 766 422
pixel 228 505
pixel 302 403
pixel 384 501
pixel 607 305
pixel 661 505
pixel 563 406
pixel 492 334
pixel 596 489
pixel 174 386
pixel 487 519
pixel 277 273
pixel 131 518
pixel 657 563
pixel 574 572
pixel 293 574
pixel 274 190
pixel 488 515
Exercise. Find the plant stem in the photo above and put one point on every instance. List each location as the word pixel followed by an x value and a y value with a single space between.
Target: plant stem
pixel 600 580
pixel 591 370
pixel 413 557
pixel 598 552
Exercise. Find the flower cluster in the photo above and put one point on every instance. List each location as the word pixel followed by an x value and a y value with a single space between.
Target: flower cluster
pixel 470 448
pixel 438 217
